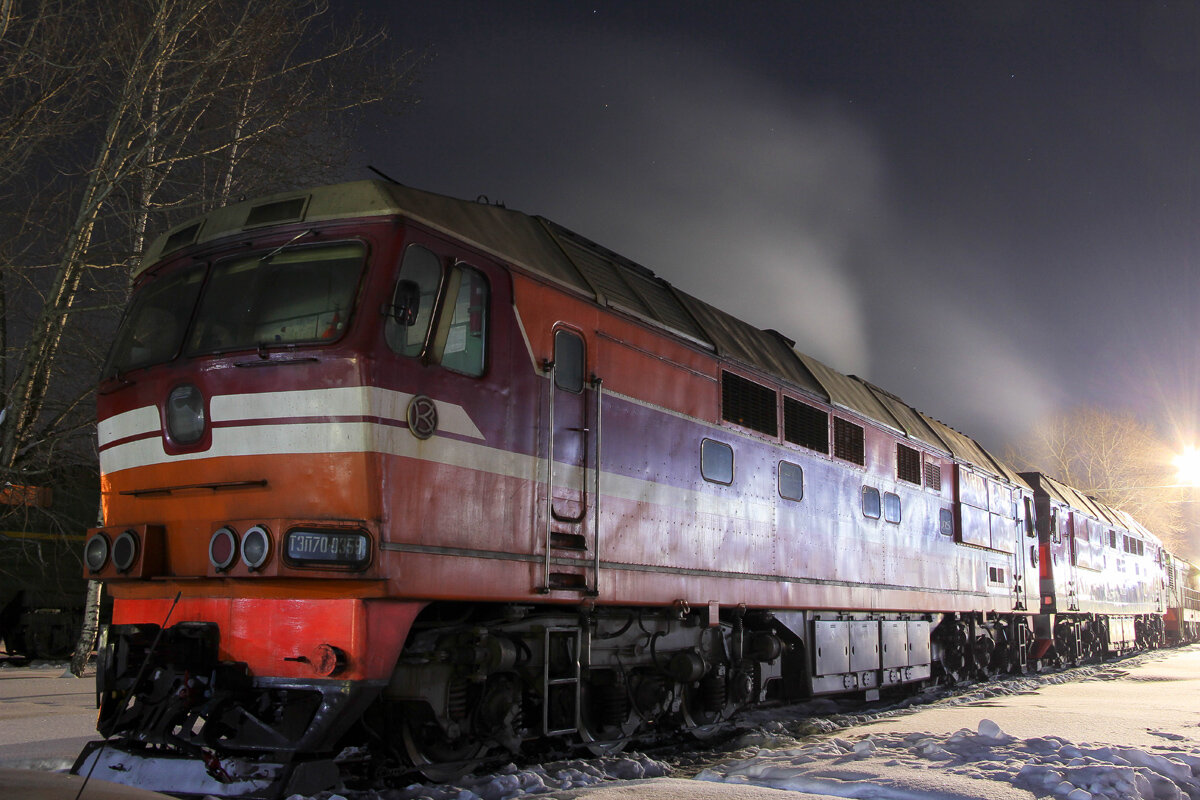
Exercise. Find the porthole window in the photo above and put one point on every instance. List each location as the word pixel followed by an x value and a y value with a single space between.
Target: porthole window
pixel 891 507
pixel 870 502
pixel 791 481
pixel 716 462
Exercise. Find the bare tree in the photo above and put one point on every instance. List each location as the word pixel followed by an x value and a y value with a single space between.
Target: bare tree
pixel 194 91
pixel 1115 458
pixel 123 118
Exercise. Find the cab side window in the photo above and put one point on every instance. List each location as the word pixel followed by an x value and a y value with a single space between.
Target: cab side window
pixel 462 334
pixel 411 309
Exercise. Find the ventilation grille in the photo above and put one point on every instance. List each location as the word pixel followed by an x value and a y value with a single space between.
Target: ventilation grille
pixel 933 476
pixel 848 441
pixel 805 425
pixel 749 404
pixel 908 464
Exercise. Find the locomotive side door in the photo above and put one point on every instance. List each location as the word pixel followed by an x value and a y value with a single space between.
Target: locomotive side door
pixel 572 472
pixel 569 432
pixel 1072 564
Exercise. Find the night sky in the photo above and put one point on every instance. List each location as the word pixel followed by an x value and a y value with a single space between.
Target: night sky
pixel 988 209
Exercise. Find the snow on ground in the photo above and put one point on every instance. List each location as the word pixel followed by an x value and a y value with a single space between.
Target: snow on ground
pixel 1125 730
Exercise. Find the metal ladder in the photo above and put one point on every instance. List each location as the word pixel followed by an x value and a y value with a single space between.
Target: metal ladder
pixel 568 681
pixel 550 580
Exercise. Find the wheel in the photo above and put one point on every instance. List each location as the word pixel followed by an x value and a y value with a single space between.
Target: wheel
pixel 607 718
pixel 714 698
pixel 437 758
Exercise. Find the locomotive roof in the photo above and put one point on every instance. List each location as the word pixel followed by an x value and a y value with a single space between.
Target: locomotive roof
pixel 1075 499
pixel 545 248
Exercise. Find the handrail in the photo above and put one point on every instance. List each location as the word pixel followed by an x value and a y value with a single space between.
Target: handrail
pixel 548 367
pixel 597 384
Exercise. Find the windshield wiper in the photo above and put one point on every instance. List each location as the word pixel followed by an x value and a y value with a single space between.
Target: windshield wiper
pixel 286 245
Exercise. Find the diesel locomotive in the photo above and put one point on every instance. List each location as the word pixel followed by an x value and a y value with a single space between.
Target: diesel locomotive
pixel 449 481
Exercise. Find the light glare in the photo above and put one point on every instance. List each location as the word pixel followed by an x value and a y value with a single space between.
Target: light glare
pixel 1188 465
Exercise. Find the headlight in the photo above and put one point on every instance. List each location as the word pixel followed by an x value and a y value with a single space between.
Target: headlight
pixel 124 551
pixel 185 414
pixel 337 549
pixel 223 549
pixel 95 552
pixel 256 547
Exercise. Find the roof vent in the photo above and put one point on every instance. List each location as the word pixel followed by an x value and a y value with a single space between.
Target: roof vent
pixel 278 212
pixel 182 237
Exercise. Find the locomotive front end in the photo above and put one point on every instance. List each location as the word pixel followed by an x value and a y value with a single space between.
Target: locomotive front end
pixel 241 506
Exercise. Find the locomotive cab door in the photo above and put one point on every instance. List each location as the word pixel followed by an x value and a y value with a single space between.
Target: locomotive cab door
pixel 1072 564
pixel 569 431
pixel 572 469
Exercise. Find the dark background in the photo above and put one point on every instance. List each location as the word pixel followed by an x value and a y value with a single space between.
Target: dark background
pixel 989 209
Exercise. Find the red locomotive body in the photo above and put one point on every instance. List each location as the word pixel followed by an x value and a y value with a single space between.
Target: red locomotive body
pixel 1103 576
pixel 383 464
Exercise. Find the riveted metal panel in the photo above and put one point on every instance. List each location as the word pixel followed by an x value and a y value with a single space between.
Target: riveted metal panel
pixel 918 642
pixel 864 645
pixel 832 651
pixel 894 640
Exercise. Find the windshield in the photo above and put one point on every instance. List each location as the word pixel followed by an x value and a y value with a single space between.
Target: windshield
pixel 298 296
pixel 291 297
pixel 153 329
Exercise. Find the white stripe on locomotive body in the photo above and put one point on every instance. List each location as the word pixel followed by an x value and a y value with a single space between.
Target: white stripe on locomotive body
pixel 346 401
pixel 387 438
pixel 137 422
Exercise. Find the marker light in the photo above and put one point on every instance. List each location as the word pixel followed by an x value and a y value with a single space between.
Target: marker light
pixel 256 547
pixel 124 551
pixel 95 552
pixel 223 549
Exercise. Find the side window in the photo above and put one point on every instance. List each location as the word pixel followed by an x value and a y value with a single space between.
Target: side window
pixel 1029 528
pixel 568 362
pixel 462 334
pixel 870 502
pixel 1054 525
pixel 891 507
pixel 411 309
pixel 716 461
pixel 791 481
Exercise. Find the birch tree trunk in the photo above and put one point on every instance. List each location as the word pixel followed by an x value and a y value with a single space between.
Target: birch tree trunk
pixel 89 631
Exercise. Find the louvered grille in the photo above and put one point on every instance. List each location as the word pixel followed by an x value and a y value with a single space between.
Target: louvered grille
pixel 848 441
pixel 805 425
pixel 933 476
pixel 748 404
pixel 908 464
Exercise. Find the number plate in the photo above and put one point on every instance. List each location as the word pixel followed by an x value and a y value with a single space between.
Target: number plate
pixel 327 548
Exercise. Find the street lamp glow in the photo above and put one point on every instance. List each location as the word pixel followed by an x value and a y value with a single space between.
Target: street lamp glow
pixel 1188 465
